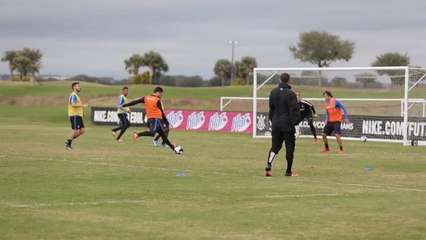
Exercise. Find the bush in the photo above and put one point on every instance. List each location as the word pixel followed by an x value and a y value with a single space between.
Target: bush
pixel 142 78
pixel 24 79
pixel 238 82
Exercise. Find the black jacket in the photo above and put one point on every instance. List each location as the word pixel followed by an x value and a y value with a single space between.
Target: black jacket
pixel 284 111
pixel 306 108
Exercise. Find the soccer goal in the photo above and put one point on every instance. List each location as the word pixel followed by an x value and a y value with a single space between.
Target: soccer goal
pixel 386 104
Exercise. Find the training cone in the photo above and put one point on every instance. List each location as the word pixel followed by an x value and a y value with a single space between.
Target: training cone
pixel 181 174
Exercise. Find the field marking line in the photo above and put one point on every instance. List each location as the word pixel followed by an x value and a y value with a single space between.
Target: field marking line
pixel 218 173
pixel 366 185
pixel 92 163
pixel 74 204
pixel 302 195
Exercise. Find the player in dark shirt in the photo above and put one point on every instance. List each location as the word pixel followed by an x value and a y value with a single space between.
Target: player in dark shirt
pixel 307 110
pixel 284 114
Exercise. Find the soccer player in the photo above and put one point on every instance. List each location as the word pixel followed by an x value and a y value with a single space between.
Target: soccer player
pixel 166 129
pixel 334 110
pixel 156 117
pixel 284 112
pixel 122 114
pixel 307 110
pixel 75 114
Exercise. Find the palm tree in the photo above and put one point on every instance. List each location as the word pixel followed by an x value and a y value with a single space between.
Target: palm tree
pixel 133 64
pixel 155 64
pixel 222 69
pixel 8 57
pixel 247 65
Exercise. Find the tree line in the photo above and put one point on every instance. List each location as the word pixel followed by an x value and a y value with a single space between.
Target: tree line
pixel 316 47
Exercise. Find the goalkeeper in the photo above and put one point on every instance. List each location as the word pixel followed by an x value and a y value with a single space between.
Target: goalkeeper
pixel 307 110
pixel 156 116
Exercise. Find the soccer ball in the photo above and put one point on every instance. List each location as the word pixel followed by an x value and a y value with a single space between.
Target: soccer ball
pixel 363 139
pixel 178 149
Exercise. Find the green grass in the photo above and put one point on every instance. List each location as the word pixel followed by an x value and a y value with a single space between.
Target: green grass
pixel 108 190
pixel 11 89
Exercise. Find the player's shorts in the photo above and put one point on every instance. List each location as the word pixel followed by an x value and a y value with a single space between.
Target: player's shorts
pixel 332 126
pixel 155 125
pixel 165 125
pixel 124 121
pixel 76 122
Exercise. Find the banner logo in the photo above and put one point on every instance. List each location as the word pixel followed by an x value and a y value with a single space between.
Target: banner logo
pixel 218 121
pixel 240 123
pixel 195 120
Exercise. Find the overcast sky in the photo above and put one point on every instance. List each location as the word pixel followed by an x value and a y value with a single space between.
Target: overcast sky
pixel 94 37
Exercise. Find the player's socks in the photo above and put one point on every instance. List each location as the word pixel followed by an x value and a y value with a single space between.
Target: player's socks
pixel 341 148
pixel 326 146
pixel 68 144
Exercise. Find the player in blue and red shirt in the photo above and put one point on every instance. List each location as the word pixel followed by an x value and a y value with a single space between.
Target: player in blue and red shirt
pixel 335 114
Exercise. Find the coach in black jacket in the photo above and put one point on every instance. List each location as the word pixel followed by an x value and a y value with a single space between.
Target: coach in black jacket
pixel 284 113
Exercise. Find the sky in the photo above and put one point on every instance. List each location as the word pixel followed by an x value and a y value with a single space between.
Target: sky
pixel 94 37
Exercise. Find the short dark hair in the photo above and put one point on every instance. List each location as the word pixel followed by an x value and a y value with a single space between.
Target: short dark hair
pixel 328 93
pixel 158 89
pixel 125 88
pixel 285 78
pixel 73 84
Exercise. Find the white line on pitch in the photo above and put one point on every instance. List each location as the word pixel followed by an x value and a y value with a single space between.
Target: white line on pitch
pixel 74 204
pixel 94 163
pixel 218 173
pixel 366 185
pixel 303 195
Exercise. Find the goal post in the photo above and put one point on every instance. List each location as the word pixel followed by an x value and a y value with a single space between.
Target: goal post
pixel 385 104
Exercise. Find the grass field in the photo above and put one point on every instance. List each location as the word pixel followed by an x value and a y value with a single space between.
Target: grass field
pixel 109 190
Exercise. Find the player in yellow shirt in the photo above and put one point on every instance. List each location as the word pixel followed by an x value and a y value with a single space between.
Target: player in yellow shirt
pixel 75 114
pixel 122 113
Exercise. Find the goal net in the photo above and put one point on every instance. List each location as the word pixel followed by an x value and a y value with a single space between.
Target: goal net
pixel 384 103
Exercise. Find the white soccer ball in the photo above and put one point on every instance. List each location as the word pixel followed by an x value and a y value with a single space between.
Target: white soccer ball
pixel 178 149
pixel 363 139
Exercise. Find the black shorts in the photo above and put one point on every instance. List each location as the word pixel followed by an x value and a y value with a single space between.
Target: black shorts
pixel 156 125
pixel 332 126
pixel 165 125
pixel 124 121
pixel 76 122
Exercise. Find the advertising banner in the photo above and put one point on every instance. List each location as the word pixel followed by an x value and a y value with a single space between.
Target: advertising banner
pixel 371 127
pixel 239 122
pixel 108 116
